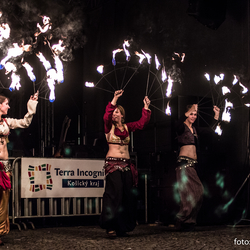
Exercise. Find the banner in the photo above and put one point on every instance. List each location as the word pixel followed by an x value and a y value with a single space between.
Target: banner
pixel 52 178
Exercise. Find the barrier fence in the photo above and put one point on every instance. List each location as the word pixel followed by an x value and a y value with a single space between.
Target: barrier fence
pixel 27 208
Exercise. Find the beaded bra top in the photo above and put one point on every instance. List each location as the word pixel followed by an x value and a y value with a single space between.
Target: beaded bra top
pixel 114 139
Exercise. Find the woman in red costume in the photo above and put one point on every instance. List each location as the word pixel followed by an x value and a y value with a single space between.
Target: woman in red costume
pixel 119 199
pixel 5 167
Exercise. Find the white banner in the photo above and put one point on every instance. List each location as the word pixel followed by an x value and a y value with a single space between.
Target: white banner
pixel 51 178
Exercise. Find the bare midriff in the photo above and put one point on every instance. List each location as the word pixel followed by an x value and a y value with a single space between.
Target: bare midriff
pixel 188 151
pixel 118 151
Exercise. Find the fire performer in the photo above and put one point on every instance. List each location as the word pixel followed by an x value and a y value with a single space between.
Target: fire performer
pixel 119 199
pixel 5 167
pixel 189 185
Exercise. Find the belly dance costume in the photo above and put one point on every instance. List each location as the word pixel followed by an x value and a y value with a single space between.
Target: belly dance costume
pixel 189 185
pixel 120 199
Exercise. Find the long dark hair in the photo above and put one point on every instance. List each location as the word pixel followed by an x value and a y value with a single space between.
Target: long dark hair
pixel 3 98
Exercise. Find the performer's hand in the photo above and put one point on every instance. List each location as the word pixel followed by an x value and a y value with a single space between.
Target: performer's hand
pixel 118 93
pixel 35 96
pixel 146 102
pixel 216 113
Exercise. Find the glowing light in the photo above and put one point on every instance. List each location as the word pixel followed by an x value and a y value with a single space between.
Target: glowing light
pixel 164 74
pixel 219 78
pixel 168 110
pixel 247 104
pixel 182 57
pixel 45 63
pixel 207 76
pixel 235 80
pixel 29 70
pixel 15 84
pixel 51 77
pixel 147 56
pixel 157 63
pixel 225 90
pixel 141 56
pixel 58 48
pixel 4 31
pixel 169 88
pixel 218 130
pixel 12 52
pixel 46 25
pixel 89 84
pixel 114 54
pixel 126 44
pixel 244 89
pixel 100 69
pixel 9 67
pixel 226 116
pixel 59 69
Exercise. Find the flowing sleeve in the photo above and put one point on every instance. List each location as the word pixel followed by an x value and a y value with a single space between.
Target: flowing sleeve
pixel 180 124
pixel 140 124
pixel 107 118
pixel 26 121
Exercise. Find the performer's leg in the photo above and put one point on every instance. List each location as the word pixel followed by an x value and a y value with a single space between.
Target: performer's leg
pixel 112 200
pixel 4 217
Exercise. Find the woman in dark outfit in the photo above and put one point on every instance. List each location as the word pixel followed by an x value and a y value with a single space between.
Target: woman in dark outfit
pixel 189 185
pixel 119 200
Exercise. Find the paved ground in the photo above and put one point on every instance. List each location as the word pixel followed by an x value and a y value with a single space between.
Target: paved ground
pixel 143 237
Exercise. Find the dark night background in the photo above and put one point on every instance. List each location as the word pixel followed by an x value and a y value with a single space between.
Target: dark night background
pixel 214 35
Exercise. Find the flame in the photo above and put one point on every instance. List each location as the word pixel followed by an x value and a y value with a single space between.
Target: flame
pixel 51 77
pixel 244 89
pixel 182 57
pixel 168 109
pixel 157 63
pixel 226 116
pixel 114 53
pixel 247 104
pixel 207 76
pixel 218 130
pixel 147 56
pixel 126 44
pixel 219 78
pixel 15 83
pixel 59 69
pixel 45 63
pixel 9 67
pixel 169 88
pixel 225 90
pixel 100 69
pixel 164 74
pixel 89 84
pixel 235 80
pixel 4 31
pixel 58 48
pixel 46 25
pixel 29 70
pixel 141 56
pixel 12 52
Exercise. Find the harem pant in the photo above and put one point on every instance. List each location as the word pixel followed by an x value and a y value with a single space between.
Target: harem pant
pixel 4 217
pixel 191 192
pixel 119 202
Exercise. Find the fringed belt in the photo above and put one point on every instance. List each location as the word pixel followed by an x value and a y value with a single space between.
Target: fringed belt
pixel 112 164
pixel 185 162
